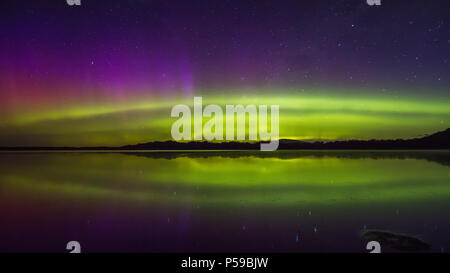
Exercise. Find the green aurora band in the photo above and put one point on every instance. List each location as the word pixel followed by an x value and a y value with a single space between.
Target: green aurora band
pixel 303 115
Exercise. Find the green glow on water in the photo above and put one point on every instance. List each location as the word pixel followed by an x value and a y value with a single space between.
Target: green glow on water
pixel 230 181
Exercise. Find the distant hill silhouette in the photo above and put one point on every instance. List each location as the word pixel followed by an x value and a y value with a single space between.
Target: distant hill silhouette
pixel 439 140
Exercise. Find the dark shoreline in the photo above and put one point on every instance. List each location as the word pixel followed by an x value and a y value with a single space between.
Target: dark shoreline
pixel 437 141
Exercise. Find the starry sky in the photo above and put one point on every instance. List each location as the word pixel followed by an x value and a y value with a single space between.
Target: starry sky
pixel 108 72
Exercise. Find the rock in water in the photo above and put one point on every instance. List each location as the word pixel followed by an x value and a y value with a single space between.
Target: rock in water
pixel 394 240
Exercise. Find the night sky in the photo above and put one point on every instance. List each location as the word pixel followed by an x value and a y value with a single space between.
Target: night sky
pixel 108 72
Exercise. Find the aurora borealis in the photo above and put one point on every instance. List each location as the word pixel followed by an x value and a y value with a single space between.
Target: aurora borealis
pixel 108 72
pixel 81 85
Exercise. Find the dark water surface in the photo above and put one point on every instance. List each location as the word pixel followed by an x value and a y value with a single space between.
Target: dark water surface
pixel 234 201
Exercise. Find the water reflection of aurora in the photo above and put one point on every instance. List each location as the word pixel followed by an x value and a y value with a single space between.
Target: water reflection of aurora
pixel 270 181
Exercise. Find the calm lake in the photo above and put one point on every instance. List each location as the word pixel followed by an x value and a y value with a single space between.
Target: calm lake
pixel 233 201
